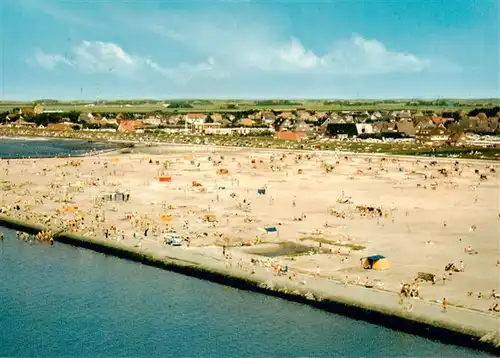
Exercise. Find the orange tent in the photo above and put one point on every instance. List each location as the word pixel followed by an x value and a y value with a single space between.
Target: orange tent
pixel 222 171
pixel 165 179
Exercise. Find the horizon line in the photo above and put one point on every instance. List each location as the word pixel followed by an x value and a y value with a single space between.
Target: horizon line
pixel 257 99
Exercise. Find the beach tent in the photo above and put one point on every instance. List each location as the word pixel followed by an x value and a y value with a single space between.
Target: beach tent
pixel 271 229
pixel 210 218
pixel 376 262
pixel 165 179
pixel 261 191
pixel 166 217
pixel 222 171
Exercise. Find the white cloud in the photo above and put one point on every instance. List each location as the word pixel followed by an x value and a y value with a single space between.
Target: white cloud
pixel 295 55
pixel 255 46
pixel 49 61
pixel 362 56
pixel 105 57
pixel 354 56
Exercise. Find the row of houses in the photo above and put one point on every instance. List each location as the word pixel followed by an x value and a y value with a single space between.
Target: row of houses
pixel 339 124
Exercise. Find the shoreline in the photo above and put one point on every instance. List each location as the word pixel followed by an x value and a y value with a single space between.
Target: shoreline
pixel 458 326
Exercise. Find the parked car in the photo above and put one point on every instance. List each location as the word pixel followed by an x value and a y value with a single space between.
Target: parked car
pixel 172 238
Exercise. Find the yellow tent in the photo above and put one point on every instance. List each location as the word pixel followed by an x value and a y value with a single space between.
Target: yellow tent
pixel 376 262
pixel 71 209
pixel 166 217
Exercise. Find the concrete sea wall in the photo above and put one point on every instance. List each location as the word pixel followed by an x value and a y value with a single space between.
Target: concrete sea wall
pixel 440 329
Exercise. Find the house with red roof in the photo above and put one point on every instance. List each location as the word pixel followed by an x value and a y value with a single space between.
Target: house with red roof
pixel 195 118
pixel 129 125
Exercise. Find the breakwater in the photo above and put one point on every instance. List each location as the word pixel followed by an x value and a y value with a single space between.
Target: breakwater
pixel 443 328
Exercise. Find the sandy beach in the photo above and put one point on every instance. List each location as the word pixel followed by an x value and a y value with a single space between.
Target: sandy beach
pixel 315 215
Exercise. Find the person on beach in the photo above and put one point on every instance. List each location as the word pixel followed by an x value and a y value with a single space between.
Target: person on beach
pixel 495 307
pixel 444 304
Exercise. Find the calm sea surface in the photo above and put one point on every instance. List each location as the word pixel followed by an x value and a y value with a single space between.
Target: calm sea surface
pixel 16 148
pixel 65 301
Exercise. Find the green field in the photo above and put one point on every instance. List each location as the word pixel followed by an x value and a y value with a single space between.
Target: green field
pixel 182 106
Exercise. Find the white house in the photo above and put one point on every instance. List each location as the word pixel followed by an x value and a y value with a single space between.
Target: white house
pixel 364 128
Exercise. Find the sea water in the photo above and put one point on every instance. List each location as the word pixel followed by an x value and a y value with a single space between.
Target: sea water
pixel 65 301
pixel 38 148
pixel 61 300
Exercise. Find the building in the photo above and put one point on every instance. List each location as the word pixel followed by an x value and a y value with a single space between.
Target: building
pixel 21 123
pixel 192 118
pixel 342 130
pixel 302 127
pixel 436 135
pixel 246 122
pixel 286 115
pixel 268 118
pixel 457 139
pixel 304 116
pixel 364 128
pixel 405 127
pixel 285 125
pixel 153 120
pixel 129 125
pixel 211 128
pixel 216 117
pixel 64 126
pixel 86 117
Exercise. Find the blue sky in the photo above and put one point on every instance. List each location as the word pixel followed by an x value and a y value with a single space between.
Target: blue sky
pixel 249 49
